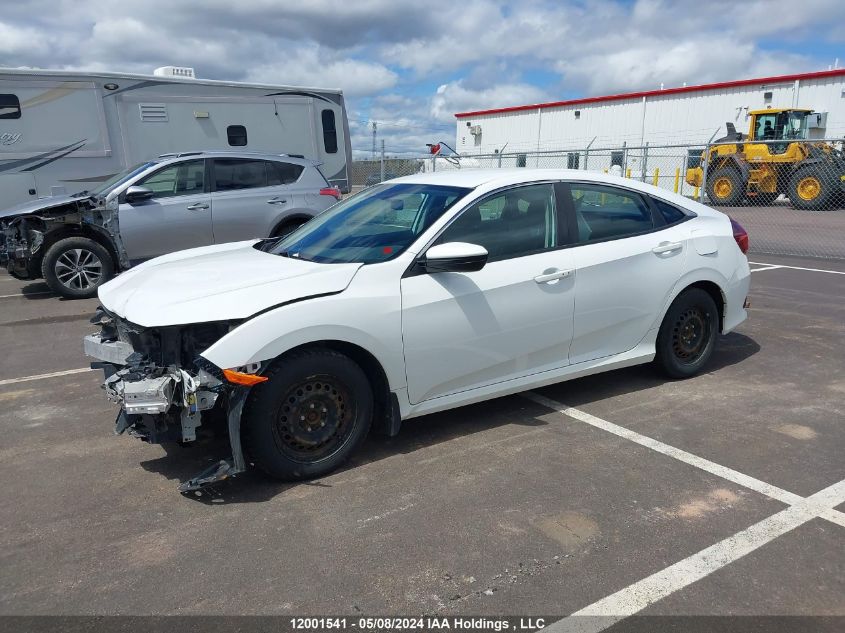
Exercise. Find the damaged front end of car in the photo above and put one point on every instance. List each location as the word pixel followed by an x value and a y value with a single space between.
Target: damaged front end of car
pixel 166 389
pixel 25 236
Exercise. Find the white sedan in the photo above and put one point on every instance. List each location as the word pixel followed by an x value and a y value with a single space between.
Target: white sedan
pixel 417 295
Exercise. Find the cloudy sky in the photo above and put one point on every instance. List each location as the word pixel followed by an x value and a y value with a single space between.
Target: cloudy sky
pixel 412 65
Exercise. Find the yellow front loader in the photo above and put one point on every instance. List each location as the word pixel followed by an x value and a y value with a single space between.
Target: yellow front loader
pixel 774 158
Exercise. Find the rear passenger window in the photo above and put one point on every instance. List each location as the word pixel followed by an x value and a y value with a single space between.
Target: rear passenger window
pixel 183 179
pixel 669 212
pixel 238 173
pixel 606 213
pixel 236 135
pixel 10 107
pixel 279 173
pixel 329 131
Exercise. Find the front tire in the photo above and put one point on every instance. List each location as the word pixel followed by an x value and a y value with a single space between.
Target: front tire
pixel 309 417
pixel 811 189
pixel 76 266
pixel 687 335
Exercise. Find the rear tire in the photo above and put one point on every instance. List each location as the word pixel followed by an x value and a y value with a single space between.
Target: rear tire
pixel 687 335
pixel 76 266
pixel 811 190
pixel 309 417
pixel 725 187
pixel 288 227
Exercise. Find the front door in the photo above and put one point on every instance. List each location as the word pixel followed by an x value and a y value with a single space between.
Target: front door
pixel 178 216
pixel 510 319
pixel 627 261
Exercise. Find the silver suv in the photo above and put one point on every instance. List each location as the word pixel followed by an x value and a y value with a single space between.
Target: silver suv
pixel 175 202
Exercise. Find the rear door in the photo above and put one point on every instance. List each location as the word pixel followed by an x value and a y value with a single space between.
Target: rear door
pixel 250 196
pixel 177 217
pixel 627 260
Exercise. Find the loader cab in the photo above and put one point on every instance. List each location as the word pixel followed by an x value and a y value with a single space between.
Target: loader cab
pixel 778 125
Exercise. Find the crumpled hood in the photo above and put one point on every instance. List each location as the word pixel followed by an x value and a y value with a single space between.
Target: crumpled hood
pixel 217 283
pixel 41 204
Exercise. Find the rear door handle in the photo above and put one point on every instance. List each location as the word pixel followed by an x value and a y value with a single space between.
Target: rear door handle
pixel 667 247
pixel 276 201
pixel 552 276
pixel 198 206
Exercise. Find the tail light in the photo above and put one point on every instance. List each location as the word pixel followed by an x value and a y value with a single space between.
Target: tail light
pixel 330 191
pixel 740 235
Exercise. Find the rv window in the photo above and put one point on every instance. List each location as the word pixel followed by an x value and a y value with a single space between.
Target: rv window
pixel 184 179
pixel 279 173
pixel 329 132
pixel 237 135
pixel 10 107
pixel 238 173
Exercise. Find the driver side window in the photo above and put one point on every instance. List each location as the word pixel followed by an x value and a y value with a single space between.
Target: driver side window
pixel 183 179
pixel 509 224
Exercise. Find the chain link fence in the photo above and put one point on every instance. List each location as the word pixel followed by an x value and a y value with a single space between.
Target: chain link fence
pixel 788 194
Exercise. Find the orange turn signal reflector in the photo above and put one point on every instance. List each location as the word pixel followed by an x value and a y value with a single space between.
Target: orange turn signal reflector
pixel 241 378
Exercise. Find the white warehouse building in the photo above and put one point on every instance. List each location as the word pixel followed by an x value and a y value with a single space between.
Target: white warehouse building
pixel 687 115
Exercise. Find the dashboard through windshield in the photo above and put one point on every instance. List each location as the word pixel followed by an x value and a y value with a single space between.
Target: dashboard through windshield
pixel 373 226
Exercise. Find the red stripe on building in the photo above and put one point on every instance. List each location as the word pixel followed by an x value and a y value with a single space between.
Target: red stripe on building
pixel 654 93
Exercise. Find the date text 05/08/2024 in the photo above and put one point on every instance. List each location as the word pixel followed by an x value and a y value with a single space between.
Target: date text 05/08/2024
pixel 455 623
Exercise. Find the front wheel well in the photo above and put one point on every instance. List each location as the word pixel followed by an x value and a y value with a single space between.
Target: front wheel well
pixel 74 231
pixel 715 293
pixel 383 411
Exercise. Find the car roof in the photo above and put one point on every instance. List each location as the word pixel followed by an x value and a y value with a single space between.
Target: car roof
pixel 484 180
pixel 222 153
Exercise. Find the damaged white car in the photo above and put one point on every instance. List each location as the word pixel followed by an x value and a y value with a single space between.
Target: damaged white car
pixel 417 295
pixel 78 242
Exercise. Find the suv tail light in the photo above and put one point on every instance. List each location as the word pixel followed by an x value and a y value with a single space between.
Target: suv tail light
pixel 330 191
pixel 740 235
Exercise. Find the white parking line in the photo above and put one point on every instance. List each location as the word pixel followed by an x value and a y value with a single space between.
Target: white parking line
pixel 55 374
pixel 636 597
pixel 27 294
pixel 755 270
pixel 812 270
pixel 713 468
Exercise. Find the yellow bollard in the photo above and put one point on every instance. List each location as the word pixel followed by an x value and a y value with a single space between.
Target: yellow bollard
pixel 656 176
pixel 628 173
pixel 677 178
pixel 605 171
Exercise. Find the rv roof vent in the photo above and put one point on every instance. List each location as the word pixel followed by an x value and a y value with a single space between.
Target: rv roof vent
pixel 153 112
pixel 175 71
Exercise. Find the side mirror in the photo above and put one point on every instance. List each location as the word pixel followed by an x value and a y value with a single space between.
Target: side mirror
pixel 137 194
pixel 454 257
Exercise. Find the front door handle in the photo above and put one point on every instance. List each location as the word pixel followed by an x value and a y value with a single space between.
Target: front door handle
pixel 667 247
pixel 198 206
pixel 276 201
pixel 552 276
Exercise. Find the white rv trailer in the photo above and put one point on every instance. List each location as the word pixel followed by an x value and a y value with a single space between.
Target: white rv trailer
pixel 63 132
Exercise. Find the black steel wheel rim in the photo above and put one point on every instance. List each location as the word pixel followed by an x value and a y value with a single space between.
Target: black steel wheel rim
pixel 315 419
pixel 691 334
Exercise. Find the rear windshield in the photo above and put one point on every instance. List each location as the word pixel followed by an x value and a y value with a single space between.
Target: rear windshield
pixel 373 226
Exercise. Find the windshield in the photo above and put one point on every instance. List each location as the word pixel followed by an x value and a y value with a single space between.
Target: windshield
pixel 120 178
pixel 781 126
pixel 372 226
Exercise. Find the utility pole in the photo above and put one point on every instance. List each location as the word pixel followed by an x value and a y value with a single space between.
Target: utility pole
pixel 374 139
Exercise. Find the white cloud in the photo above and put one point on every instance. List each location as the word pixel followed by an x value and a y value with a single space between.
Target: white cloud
pixel 309 67
pixel 455 97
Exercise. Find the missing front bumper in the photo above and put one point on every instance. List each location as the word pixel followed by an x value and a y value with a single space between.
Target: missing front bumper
pixel 166 404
